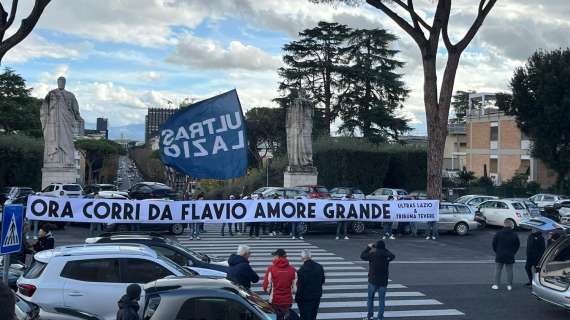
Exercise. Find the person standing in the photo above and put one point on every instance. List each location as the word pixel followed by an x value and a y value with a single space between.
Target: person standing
pixel 387 226
pixel 232 197
pixel 129 303
pixel 342 226
pixel 280 282
pixel 240 270
pixel 505 245
pixel 378 258
pixel 311 278
pixel 535 246
pixel 45 239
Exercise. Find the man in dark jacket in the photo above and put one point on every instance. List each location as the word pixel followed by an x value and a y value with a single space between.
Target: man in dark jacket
pixel 505 244
pixel 45 239
pixel 310 280
pixel 534 250
pixel 129 305
pixel 378 258
pixel 240 271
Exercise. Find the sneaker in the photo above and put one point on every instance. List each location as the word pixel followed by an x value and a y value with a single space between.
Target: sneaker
pixel 428 237
pixel 192 238
pixel 294 238
pixel 198 238
pixel 495 287
pixel 346 238
pixel 392 237
pixel 301 238
pixel 509 288
pixel 433 238
pixel 384 238
pixel 336 238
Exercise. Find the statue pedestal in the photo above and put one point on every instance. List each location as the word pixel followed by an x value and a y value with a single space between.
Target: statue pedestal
pixel 294 178
pixel 58 175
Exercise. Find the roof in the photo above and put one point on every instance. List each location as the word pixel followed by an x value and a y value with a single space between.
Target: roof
pixel 126 236
pixel 198 282
pixel 123 249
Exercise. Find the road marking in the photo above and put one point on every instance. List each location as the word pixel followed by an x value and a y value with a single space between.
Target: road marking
pixel 365 295
pixel 442 262
pixel 257 287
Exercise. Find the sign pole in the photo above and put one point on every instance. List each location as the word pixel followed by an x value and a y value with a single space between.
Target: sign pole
pixel 6 268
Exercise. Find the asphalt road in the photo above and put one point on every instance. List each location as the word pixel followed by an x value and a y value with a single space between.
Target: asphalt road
pixel 455 271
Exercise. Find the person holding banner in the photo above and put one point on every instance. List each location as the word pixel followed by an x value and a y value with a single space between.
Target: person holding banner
pixel 342 226
pixel 387 226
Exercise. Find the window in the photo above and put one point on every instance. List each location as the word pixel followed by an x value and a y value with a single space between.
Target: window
pixel 566 204
pixel 71 187
pixel 387 192
pixel 322 190
pixel 547 198
pixel 215 309
pixel 142 271
pixel 462 209
pixel 35 270
pixel 488 204
pixel 493 165
pixel 95 270
pixel 518 206
pixel 402 193
pixel 171 254
pixel 475 201
pixel 501 205
pixel 48 188
pixel 494 133
pixel 444 209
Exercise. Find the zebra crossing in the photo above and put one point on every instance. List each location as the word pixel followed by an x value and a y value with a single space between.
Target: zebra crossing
pixel 345 289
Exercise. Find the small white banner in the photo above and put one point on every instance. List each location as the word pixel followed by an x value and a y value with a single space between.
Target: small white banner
pixel 219 211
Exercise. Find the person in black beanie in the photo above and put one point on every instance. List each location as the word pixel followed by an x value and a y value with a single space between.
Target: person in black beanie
pixel 7 302
pixel 129 305
pixel 535 246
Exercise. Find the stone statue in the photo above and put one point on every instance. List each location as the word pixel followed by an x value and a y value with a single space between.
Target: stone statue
pixel 299 128
pixel 60 118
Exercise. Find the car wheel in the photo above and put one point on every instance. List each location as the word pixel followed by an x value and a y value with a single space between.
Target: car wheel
pixel 122 228
pixel 177 229
pixel 358 227
pixel 461 228
pixel 303 228
pixel 514 223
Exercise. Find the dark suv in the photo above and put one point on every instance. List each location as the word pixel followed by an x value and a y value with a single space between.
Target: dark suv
pixel 203 298
pixel 165 247
pixel 152 190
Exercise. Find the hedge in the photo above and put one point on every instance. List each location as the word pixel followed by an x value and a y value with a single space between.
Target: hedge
pixel 21 160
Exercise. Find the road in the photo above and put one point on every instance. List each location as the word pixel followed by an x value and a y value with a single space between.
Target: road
pixel 127 174
pixel 444 279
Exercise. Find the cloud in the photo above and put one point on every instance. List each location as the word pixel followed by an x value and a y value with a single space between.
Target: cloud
pixel 35 46
pixel 149 76
pixel 208 54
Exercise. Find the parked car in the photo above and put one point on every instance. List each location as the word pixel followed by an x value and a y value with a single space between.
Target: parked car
pixel 255 194
pixel 92 277
pixel 152 190
pixel 418 195
pixel 14 272
pixel 543 200
pixel 95 188
pixel 355 227
pixel 200 263
pixel 315 192
pixel 455 217
pixel 474 200
pixel 341 192
pixel 71 190
pixel 497 211
pixel 284 193
pixel 551 282
pixel 530 206
pixel 203 298
pixel 562 211
pixel 16 192
pixel 384 193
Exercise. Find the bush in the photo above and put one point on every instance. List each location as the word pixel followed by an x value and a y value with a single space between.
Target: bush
pixel 22 159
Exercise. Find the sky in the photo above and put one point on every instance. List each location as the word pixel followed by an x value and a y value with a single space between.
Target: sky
pixel 121 57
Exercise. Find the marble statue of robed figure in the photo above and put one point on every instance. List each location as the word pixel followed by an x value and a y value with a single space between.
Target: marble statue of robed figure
pixel 299 128
pixel 59 116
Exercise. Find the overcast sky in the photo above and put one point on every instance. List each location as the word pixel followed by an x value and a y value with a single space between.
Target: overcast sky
pixel 121 57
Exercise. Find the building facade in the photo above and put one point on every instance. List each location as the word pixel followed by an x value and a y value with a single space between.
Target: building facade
pixel 155 118
pixel 454 154
pixel 103 126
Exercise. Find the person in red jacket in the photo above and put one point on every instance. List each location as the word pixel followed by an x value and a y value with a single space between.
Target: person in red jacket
pixel 280 282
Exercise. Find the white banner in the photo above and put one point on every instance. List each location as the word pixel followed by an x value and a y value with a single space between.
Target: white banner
pixel 219 211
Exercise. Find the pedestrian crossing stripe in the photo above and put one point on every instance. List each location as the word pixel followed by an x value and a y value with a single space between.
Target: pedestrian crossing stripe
pixel 12 238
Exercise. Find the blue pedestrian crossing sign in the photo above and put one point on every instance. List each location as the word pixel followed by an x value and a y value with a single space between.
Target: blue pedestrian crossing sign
pixel 12 224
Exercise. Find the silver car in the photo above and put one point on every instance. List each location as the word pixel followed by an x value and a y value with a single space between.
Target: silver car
pixel 455 217
pixel 551 281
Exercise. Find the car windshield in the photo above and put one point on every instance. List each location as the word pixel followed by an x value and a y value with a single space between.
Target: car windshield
pixel 518 206
pixel 173 265
pixel 322 190
pixel 357 191
pixel 180 247
pixel 463 199
pixel 258 303
pixel 402 193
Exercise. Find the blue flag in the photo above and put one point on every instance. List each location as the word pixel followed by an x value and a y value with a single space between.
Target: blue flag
pixel 207 140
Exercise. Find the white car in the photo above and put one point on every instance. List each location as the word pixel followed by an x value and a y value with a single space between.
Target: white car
pixel 342 192
pixel 384 193
pixel 92 277
pixel 543 200
pixel 72 190
pixel 497 211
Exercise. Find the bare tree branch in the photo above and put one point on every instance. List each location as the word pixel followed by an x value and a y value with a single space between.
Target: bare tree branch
pixel 418 36
pixel 12 13
pixel 413 14
pixel 25 29
pixel 484 10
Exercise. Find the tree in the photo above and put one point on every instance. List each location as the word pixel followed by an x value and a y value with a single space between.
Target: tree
pixel 460 104
pixel 20 112
pixel 95 152
pixel 540 102
pixel 266 126
pixel 373 91
pixel 312 64
pixel 21 158
pixel 427 37
pixel 465 177
pixel 26 27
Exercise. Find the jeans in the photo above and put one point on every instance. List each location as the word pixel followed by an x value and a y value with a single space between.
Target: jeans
pixel 295 229
pixel 432 229
pixel 308 309
pixel 341 229
pixel 372 289
pixel 387 228
pixel 195 229
pixel 414 229
pixel 238 226
pixel 229 228
pixel 499 270
pixel 254 228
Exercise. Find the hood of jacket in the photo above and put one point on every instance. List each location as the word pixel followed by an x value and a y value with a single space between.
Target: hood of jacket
pixel 281 262
pixel 128 303
pixel 235 259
